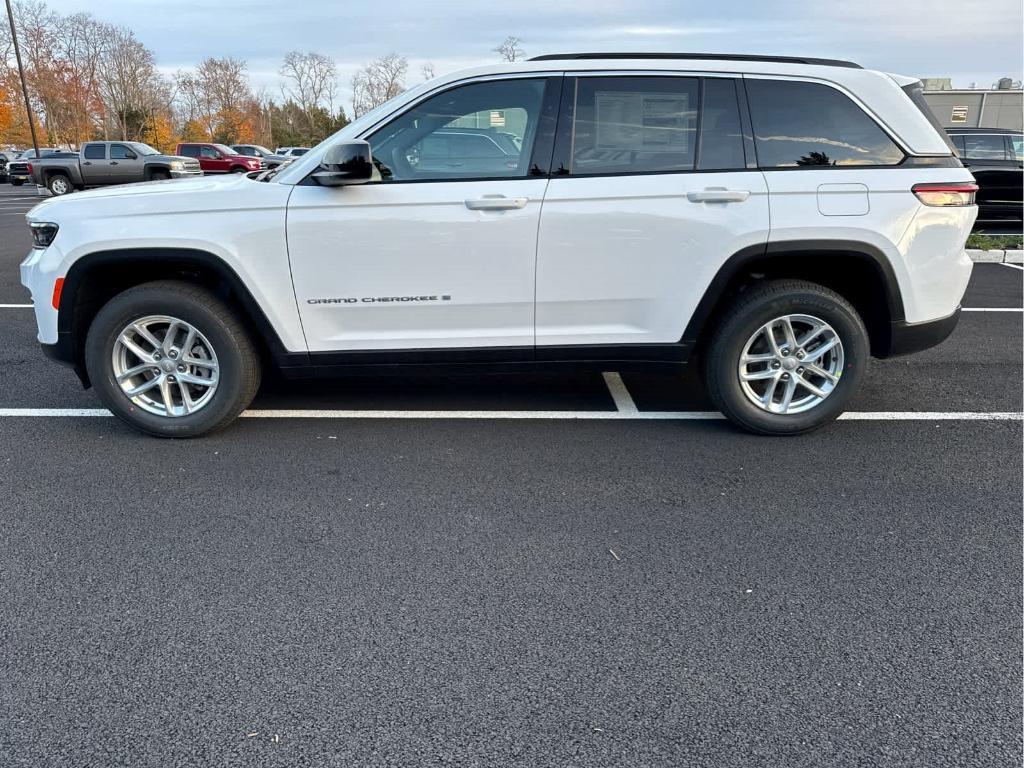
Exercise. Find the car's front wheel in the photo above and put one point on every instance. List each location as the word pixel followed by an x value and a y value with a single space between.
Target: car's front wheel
pixel 787 357
pixel 171 359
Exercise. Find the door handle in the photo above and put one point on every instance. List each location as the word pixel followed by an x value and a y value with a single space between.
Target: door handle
pixel 718 195
pixel 114 162
pixel 86 163
pixel 497 203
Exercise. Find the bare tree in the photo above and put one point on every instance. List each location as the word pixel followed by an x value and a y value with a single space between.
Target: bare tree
pixel 377 82
pixel 310 80
pixel 129 82
pixel 427 70
pixel 511 49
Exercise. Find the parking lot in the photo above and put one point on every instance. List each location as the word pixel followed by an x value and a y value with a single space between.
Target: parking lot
pixel 584 570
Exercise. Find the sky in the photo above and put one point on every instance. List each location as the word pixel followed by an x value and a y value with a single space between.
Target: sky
pixel 972 41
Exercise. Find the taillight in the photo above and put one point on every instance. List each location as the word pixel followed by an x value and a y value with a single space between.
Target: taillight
pixel 28 167
pixel 944 195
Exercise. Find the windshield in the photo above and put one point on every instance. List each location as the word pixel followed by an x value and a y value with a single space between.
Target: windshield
pixel 142 149
pixel 261 150
pixel 225 150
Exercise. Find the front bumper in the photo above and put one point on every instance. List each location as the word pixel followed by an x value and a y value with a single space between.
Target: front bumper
pixel 906 338
pixel 186 174
pixel 23 177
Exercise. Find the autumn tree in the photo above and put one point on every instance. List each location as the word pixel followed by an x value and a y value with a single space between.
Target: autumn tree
pixel 378 82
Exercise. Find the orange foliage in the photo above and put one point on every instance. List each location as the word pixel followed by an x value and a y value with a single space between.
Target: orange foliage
pixel 159 133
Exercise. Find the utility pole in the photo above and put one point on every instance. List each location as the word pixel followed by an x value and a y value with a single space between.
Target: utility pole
pixel 24 86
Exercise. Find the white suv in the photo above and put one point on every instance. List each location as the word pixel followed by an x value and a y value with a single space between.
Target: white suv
pixel 777 221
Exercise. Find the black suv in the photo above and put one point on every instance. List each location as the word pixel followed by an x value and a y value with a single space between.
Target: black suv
pixel 995 156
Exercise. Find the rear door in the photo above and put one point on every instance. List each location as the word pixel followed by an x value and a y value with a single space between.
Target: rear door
pixel 94 164
pixel 650 194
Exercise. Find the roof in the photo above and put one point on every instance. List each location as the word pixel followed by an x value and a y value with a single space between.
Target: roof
pixel 957 129
pixel 699 56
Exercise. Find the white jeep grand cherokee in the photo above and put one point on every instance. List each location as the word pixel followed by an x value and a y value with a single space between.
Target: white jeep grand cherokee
pixel 780 220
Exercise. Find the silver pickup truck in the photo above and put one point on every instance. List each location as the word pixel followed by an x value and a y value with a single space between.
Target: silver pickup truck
pixel 101 163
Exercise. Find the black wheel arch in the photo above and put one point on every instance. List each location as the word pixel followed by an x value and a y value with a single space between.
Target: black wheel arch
pixel 95 278
pixel 156 168
pixel 858 271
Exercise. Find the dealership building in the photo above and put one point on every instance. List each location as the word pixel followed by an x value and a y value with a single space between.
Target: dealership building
pixel 999 107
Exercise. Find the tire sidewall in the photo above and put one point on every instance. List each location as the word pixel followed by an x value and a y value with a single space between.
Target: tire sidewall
pixel 724 361
pixel 122 310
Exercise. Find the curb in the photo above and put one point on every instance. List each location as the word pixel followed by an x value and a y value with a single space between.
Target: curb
pixel 995 257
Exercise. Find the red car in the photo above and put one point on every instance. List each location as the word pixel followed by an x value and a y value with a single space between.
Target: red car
pixel 217 158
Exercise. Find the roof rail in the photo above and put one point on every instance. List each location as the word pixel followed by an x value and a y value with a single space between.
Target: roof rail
pixel 705 56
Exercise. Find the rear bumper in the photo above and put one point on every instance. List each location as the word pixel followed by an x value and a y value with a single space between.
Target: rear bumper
pixel 906 338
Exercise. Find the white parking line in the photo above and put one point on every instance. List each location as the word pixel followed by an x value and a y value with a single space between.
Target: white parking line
pixel 992 309
pixel 620 395
pixel 15 306
pixel 1012 266
pixel 535 415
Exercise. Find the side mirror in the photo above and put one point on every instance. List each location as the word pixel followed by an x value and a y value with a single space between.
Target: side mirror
pixel 346 163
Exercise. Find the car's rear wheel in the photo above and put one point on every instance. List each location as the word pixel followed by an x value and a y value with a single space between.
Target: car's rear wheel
pixel 171 359
pixel 787 358
pixel 59 184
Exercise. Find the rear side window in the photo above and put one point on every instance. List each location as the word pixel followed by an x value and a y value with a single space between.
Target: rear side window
pixel 806 125
pixel 190 150
pixel 95 152
pixel 984 147
pixel 721 138
pixel 1017 147
pixel 634 125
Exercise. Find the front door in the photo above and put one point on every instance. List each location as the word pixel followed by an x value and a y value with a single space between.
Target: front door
pixel 125 165
pixel 440 251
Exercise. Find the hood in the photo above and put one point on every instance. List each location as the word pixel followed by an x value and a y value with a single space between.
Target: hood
pixel 182 194
pixel 169 158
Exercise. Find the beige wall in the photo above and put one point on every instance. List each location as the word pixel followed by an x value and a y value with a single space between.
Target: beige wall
pixel 985 109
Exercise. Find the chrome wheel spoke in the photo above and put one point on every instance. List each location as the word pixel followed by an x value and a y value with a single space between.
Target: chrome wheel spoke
pixel 172 331
pixel 134 348
pixel 138 370
pixel 143 387
pixel 187 378
pixel 758 375
pixel 769 393
pixel 787 395
pixel 811 387
pixel 789 334
pixel 817 353
pixel 148 337
pixel 197 362
pixel 814 369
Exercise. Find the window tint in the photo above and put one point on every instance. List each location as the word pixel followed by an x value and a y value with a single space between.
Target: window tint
pixel 721 137
pixel 480 130
pixel 985 147
pixel 634 124
pixel 1017 147
pixel 190 150
pixel 808 124
pixel 209 152
pixel 299 152
pixel 248 151
pixel 958 142
pixel 95 152
pixel 120 152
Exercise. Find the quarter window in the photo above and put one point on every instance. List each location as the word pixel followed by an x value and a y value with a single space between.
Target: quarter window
pixel 95 152
pixel 634 125
pixel 480 130
pixel 806 125
pixel 984 147
pixel 1017 147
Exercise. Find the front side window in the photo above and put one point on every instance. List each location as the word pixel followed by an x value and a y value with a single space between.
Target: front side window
pixel 95 152
pixel 121 152
pixel 634 125
pixel 209 152
pixel 984 147
pixel 475 131
pixel 247 151
pixel 805 125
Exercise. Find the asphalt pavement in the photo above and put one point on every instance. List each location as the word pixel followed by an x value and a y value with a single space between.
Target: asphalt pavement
pixel 488 591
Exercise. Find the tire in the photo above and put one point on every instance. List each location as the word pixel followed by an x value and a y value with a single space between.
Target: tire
pixel 16 182
pixel 59 184
pixel 238 169
pixel 159 176
pixel 743 328
pixel 217 326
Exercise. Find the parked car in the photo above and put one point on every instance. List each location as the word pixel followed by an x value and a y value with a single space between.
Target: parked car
pixel 218 158
pixel 270 159
pixel 102 163
pixel 658 206
pixel 5 158
pixel 19 169
pixel 995 156
pixel 291 152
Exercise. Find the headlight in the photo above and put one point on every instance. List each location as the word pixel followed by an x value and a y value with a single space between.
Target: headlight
pixel 177 165
pixel 43 233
